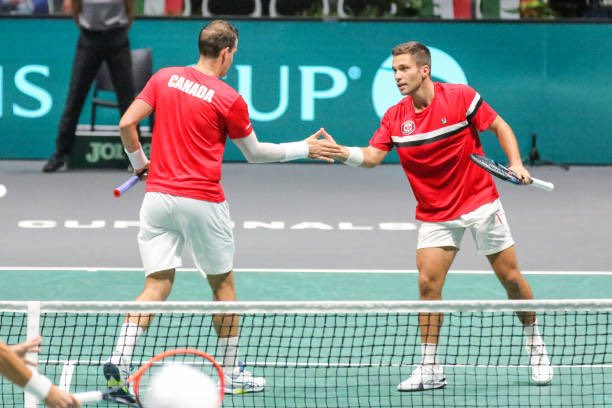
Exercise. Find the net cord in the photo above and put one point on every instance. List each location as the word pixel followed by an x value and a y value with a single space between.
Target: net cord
pixel 305 307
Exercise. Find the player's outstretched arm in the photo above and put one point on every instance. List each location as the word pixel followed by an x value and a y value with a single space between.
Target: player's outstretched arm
pixel 321 146
pixel 28 346
pixel 14 369
pixel 316 146
pixel 358 156
pixel 60 399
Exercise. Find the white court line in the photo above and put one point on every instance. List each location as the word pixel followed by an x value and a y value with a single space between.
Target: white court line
pixel 294 270
pixel 67 373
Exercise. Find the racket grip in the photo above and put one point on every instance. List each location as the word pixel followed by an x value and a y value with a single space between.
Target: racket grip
pixel 90 396
pixel 131 182
pixel 541 184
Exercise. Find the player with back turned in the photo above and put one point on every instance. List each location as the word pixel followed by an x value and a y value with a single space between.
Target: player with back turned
pixel 184 202
pixel 435 129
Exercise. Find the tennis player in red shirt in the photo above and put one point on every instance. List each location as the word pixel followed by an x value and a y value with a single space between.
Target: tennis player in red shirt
pixel 435 129
pixel 195 113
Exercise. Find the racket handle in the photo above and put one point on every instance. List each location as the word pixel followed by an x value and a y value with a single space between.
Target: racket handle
pixel 131 182
pixel 90 396
pixel 541 184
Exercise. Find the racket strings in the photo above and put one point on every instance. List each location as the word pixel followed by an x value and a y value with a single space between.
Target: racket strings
pixel 176 376
pixel 496 169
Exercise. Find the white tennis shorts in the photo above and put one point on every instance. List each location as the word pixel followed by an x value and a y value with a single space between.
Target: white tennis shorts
pixel 168 222
pixel 487 223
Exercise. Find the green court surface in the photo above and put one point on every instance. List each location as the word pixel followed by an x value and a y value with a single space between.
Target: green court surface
pixel 123 285
pixel 337 361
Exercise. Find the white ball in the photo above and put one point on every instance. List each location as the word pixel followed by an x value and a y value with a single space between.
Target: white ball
pixel 181 386
pixel 2 190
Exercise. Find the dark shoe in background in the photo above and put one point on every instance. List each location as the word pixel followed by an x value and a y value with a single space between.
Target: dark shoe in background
pixel 56 162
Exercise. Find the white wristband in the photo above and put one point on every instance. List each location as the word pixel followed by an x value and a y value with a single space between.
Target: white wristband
pixel 355 157
pixel 295 150
pixel 39 386
pixel 138 159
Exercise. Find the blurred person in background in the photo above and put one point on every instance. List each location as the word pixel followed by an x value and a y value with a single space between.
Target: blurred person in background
pixel 103 37
pixel 15 7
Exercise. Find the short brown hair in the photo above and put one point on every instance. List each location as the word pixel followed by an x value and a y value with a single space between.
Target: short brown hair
pixel 215 36
pixel 420 52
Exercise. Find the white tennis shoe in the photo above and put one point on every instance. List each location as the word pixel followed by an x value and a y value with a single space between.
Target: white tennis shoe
pixel 424 377
pixel 539 364
pixel 241 381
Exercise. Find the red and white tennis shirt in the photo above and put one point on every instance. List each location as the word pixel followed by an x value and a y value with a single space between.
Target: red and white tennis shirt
pixel 194 114
pixel 434 148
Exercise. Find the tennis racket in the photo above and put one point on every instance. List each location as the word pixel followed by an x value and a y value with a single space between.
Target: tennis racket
pixel 129 183
pixel 143 381
pixel 504 173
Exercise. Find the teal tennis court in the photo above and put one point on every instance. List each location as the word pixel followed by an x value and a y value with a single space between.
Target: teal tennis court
pixel 116 284
pixel 304 239
pixel 347 359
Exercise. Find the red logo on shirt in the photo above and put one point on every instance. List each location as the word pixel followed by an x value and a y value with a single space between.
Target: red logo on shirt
pixel 408 127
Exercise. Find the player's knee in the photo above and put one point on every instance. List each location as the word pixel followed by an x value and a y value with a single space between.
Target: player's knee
pixel 429 288
pixel 222 286
pixel 512 282
pixel 157 290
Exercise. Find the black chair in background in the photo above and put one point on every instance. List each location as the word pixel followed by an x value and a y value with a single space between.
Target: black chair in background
pixel 212 8
pixel 280 8
pixel 354 8
pixel 142 70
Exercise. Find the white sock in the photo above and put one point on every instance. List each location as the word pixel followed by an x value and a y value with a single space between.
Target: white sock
pixel 429 351
pixel 228 347
pixel 532 334
pixel 125 343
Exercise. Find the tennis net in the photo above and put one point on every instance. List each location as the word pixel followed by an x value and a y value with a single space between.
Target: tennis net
pixel 340 354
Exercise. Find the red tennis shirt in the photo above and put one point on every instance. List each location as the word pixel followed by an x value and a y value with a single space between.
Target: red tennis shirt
pixel 434 148
pixel 194 114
